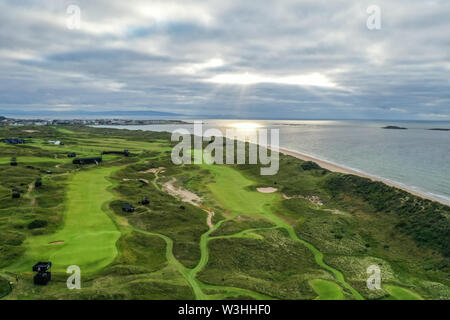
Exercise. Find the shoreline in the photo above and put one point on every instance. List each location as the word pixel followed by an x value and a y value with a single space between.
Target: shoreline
pixel 340 169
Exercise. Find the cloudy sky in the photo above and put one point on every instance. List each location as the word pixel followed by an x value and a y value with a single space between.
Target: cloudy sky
pixel 286 59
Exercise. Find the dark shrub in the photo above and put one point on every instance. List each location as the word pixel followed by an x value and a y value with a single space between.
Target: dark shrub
pixel 309 165
pixel 35 224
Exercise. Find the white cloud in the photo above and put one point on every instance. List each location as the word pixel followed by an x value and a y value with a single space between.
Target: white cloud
pixel 313 79
pixel 194 68
pixel 433 116
pixel 398 110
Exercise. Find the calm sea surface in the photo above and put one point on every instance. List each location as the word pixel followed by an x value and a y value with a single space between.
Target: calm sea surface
pixel 416 158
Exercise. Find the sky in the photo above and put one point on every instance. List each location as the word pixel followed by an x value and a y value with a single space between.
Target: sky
pixel 285 59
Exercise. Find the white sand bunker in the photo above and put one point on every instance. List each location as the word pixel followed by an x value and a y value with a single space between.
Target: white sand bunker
pixel 267 190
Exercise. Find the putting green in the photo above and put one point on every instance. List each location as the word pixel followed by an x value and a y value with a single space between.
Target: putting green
pixel 230 190
pixel 399 293
pixel 88 237
pixel 327 290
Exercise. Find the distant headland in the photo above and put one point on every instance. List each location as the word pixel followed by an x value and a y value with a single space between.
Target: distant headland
pixel 394 128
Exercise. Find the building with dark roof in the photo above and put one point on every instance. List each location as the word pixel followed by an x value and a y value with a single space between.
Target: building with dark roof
pixel 14 141
pixel 126 207
pixel 124 152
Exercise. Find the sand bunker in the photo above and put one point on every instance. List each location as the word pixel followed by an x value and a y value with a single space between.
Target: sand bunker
pixel 267 190
pixel 57 242
pixel 30 131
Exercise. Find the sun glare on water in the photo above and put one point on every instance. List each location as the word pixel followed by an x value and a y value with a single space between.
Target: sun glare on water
pixel 246 125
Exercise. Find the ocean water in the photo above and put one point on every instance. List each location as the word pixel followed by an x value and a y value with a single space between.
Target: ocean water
pixel 417 158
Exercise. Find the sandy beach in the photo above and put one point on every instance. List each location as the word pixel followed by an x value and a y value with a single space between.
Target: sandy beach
pixel 336 168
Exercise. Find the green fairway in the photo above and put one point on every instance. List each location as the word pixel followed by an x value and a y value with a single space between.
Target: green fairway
pixel 327 290
pixel 88 237
pixel 399 293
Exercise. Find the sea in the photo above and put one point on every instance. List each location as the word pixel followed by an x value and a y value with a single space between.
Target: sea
pixel 417 158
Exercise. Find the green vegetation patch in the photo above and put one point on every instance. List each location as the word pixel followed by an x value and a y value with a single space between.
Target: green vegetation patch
pixel 327 290
pixel 275 265
pixel 399 293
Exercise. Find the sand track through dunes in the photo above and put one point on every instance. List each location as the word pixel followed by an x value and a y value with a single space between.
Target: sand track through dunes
pixel 184 194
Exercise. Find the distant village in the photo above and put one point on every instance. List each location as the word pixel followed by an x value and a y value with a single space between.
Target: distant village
pixel 4 121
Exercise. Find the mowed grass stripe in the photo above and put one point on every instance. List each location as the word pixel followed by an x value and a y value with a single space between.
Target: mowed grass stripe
pixel 88 235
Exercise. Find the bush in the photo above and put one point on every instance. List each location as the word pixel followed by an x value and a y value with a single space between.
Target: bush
pixel 5 289
pixel 309 165
pixel 35 224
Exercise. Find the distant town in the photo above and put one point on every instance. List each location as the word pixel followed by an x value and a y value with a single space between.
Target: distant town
pixel 4 121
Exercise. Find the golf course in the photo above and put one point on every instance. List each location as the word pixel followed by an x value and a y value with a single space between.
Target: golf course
pixel 205 231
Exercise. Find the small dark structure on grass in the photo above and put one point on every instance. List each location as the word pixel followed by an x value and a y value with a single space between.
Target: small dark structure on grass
pixel 48 172
pixel 72 155
pixel 15 194
pixel 43 275
pixel 38 183
pixel 126 207
pixel 145 200
pixel 13 162
pixel 14 141
pixel 124 152
pixel 93 160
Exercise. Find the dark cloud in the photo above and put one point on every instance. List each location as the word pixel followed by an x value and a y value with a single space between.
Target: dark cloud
pixel 249 59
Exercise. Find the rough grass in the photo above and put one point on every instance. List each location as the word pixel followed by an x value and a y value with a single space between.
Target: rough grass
pixel 5 289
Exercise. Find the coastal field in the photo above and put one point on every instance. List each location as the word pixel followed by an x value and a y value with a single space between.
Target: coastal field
pixel 208 231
